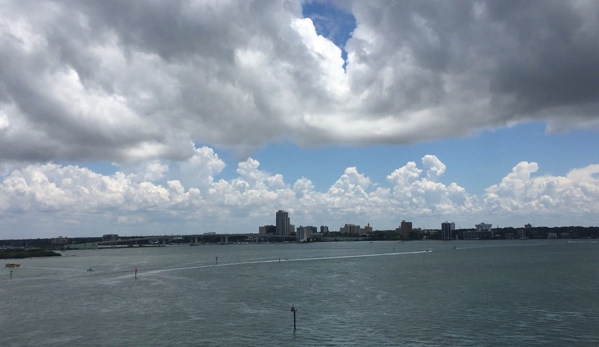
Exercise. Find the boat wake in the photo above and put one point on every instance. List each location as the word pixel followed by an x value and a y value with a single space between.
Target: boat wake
pixel 282 260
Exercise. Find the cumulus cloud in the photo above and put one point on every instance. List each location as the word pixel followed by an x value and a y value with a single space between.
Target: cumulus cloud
pixel 415 194
pixel 521 194
pixel 433 166
pixel 50 199
pixel 139 84
pixel 123 82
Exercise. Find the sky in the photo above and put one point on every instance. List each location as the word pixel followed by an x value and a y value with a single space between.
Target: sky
pixel 181 117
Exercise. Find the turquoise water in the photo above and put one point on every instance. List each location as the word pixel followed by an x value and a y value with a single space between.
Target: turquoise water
pixel 492 293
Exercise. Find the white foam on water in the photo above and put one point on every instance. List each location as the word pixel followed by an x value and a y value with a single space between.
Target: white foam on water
pixel 286 260
pixel 502 246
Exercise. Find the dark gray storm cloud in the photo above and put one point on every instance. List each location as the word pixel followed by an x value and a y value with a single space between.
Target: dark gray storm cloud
pixel 125 81
pixel 512 60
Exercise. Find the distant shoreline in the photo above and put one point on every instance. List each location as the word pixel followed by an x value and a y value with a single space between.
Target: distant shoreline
pixel 22 254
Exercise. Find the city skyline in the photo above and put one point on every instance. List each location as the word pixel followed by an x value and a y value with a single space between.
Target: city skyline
pixel 176 117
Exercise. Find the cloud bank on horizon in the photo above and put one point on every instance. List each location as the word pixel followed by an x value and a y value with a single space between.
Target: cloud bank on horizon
pixel 122 81
pixel 140 85
pixel 50 199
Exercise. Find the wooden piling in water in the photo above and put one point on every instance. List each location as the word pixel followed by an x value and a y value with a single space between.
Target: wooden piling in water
pixel 293 310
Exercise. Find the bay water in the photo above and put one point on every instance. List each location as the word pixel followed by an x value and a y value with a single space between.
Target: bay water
pixel 462 293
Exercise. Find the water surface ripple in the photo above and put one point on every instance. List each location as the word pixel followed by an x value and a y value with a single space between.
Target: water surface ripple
pixel 492 293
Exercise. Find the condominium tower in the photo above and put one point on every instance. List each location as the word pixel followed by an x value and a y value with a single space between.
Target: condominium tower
pixel 283 226
pixel 447 230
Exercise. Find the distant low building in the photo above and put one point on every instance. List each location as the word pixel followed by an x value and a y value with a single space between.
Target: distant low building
pixel 471 234
pixel 59 240
pixel 350 229
pixel 303 233
pixel 110 237
pixel 366 230
pixel 483 227
pixel 485 230
pixel 267 230
pixel 88 245
pixel 552 235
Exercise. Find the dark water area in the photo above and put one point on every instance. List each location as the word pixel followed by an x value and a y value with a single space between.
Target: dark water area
pixel 463 293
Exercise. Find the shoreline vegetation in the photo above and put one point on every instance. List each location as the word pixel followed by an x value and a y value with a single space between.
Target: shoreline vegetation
pixel 26 253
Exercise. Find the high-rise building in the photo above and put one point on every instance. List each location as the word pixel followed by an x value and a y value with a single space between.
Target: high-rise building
pixel 324 229
pixel 447 230
pixel 406 229
pixel 283 226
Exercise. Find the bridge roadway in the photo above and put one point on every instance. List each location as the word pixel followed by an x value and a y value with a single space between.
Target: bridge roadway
pixel 194 239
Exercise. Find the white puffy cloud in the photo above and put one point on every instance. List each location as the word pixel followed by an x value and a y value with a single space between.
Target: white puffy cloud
pixel 201 168
pixel 151 170
pixel 576 194
pixel 421 195
pixel 433 166
pixel 125 82
pixel 46 200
